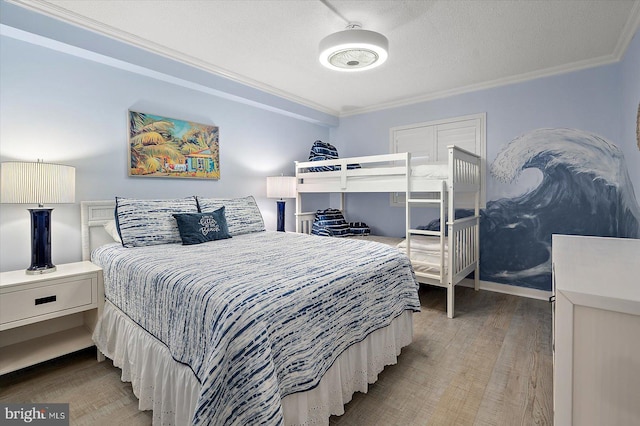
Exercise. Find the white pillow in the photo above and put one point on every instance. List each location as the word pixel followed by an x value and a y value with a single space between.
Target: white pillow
pixel 112 230
pixel 424 243
pixel 431 171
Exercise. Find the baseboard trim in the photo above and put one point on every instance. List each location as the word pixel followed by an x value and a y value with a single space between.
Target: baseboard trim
pixel 531 293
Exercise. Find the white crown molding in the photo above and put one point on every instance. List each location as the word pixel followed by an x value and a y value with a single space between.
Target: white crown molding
pixel 631 27
pixel 58 46
pixel 56 12
pixel 72 18
pixel 629 30
pixel 548 72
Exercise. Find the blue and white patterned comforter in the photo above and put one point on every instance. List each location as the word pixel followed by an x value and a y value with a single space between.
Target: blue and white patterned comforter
pixel 258 316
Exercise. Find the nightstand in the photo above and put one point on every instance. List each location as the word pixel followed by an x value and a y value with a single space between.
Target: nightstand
pixel 48 315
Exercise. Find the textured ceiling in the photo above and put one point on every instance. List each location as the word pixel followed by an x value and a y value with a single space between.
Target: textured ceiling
pixel 437 48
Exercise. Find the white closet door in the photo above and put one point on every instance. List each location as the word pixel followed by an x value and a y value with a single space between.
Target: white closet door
pixel 427 143
pixel 464 133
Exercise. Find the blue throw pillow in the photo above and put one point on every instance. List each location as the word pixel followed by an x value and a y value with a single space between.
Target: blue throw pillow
pixel 196 228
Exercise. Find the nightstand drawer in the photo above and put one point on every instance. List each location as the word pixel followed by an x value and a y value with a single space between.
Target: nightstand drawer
pixel 32 302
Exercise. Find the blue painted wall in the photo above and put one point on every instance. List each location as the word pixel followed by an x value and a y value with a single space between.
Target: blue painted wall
pixel 63 108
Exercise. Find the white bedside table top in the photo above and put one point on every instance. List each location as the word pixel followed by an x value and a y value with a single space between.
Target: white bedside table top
pixel 12 278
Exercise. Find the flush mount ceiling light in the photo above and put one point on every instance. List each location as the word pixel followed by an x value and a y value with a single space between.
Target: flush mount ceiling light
pixel 353 49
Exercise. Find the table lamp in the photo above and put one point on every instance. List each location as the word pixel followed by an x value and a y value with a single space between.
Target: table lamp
pixel 38 183
pixel 281 187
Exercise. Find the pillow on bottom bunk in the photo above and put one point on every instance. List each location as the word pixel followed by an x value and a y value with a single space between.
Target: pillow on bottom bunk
pixel 330 223
pixel 359 228
pixel 423 243
pixel 434 225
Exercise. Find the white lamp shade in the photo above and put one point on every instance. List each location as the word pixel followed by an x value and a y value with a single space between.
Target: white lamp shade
pixel 281 187
pixel 37 183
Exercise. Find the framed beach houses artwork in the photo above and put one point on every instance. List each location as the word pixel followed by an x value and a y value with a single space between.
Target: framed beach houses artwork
pixel 167 147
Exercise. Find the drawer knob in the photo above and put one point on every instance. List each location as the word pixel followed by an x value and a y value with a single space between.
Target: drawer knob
pixel 44 300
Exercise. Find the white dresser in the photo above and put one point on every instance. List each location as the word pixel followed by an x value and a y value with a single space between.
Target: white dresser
pixel 596 374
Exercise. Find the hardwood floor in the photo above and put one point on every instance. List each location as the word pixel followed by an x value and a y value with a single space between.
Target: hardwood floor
pixel 491 365
pixel 94 391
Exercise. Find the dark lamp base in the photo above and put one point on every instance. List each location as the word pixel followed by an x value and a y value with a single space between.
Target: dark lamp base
pixel 280 215
pixel 40 242
pixel 40 270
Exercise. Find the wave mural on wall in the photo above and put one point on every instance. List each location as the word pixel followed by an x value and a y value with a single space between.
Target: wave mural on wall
pixel 585 190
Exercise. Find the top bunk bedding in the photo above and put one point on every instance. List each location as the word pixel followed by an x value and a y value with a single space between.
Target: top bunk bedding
pixel 260 315
pixel 390 173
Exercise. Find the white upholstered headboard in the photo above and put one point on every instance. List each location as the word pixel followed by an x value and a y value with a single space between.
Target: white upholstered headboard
pixel 93 215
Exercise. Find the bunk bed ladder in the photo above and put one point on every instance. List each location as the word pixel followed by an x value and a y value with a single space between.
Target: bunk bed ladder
pixel 441 202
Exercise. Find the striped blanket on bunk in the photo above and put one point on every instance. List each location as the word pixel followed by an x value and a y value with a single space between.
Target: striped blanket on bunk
pixel 325 151
pixel 258 316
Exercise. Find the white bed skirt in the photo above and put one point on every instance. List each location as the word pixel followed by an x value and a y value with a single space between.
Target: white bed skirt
pixel 171 390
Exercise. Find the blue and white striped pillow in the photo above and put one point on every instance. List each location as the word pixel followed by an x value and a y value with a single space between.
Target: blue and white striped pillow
pixel 359 228
pixel 242 214
pixel 325 151
pixel 322 151
pixel 330 223
pixel 151 222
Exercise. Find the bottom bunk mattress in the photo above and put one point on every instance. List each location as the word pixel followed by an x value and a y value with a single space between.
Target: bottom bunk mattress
pixel 425 250
pixel 426 253
pixel 256 319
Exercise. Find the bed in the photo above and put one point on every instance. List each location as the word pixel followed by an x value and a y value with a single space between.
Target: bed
pixel 441 257
pixel 260 328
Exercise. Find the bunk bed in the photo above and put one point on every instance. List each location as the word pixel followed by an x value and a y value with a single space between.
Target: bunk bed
pixel 454 248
